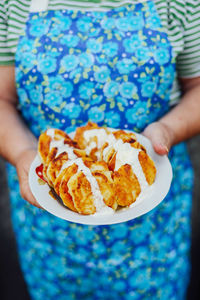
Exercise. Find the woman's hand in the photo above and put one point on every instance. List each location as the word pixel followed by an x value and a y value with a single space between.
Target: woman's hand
pixel 161 136
pixel 22 166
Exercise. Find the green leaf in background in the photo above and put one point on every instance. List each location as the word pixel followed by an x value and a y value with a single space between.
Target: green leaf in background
pixel 121 108
pixel 87 106
pixel 118 37
pixel 85 75
pixel 102 107
pixel 95 68
pixel 100 39
pixel 82 104
pixel 47 90
pixel 61 70
pixel 112 104
pixel 135 96
pixel 76 80
pixel 125 77
pixel 56 109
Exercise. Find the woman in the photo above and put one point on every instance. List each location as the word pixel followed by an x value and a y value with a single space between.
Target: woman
pixel 116 63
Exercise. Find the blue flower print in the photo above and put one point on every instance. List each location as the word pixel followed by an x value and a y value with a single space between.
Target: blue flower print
pixel 96 99
pixel 56 30
pixel 136 22
pixel 123 101
pixel 168 75
pixel 46 65
pixel 18 74
pixel 36 96
pixel 63 22
pixel 161 56
pixel 137 115
pixel 111 89
pixel 162 89
pixel 69 62
pixel 141 279
pixel 54 98
pixel 75 72
pixel 102 59
pixel 84 24
pixel 22 95
pixel 127 89
pixel 39 28
pixel 142 53
pixel 102 74
pixel 94 45
pixel 98 14
pixel 119 231
pixel 125 66
pixel 112 119
pixel 132 43
pixel 86 89
pixel 110 49
pixel 86 60
pixel 120 286
pixel 58 83
pixel 70 40
pixel 26 45
pixel 123 24
pixel 95 114
pixel 153 21
pixel 108 23
pixel 148 88
pixel 99 247
pixel 28 60
pixel 72 110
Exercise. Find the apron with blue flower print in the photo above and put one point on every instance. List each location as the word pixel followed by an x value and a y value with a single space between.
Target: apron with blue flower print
pixel 115 68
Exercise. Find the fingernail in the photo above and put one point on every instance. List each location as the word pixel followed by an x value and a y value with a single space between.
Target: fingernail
pixel 166 148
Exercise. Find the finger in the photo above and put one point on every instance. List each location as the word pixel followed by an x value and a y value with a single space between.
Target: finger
pixel 28 196
pixel 159 137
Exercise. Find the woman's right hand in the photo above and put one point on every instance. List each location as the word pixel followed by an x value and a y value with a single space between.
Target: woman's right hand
pixel 22 166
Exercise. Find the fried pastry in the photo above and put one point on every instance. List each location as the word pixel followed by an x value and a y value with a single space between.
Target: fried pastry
pixel 97 172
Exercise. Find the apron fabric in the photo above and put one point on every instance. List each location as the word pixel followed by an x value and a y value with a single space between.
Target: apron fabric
pixel 115 68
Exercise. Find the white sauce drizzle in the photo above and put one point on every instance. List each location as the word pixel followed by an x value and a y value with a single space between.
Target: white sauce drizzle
pixel 125 153
pixel 101 207
pixel 129 155
pixel 98 198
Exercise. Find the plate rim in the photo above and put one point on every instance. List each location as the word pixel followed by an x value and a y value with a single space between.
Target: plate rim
pixel 104 219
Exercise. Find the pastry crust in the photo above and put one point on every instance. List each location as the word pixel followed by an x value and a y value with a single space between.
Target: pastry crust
pixel 91 172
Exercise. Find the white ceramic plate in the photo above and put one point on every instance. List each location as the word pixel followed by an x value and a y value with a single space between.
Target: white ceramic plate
pixel 156 194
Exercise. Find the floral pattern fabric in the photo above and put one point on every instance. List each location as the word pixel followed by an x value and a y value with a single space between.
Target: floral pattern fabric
pixel 115 68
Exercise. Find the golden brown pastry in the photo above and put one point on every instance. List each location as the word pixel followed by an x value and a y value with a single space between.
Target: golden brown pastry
pixel 98 171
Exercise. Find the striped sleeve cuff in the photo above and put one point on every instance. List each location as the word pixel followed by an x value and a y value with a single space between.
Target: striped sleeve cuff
pixel 188 62
pixel 6 57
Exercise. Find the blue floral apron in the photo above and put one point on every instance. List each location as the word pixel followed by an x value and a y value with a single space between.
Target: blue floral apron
pixel 115 68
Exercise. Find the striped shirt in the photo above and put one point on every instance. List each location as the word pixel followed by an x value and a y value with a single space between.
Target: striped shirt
pixel 180 19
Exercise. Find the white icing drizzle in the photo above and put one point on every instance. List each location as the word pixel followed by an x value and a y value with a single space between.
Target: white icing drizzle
pixel 101 207
pixel 129 155
pixel 98 198
pixel 125 153
pixel 60 145
pixel 102 137
pixel 51 132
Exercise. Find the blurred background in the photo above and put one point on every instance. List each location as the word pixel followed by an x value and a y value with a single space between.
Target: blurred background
pixel 12 285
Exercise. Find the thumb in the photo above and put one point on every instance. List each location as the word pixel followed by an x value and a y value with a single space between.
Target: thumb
pixel 160 136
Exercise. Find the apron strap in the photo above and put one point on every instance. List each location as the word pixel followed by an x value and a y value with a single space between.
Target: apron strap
pixel 38 5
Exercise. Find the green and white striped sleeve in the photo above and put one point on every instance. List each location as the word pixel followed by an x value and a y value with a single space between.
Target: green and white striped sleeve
pixel 6 57
pixel 188 61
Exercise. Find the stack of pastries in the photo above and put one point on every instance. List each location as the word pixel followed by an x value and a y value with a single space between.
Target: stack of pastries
pixel 97 171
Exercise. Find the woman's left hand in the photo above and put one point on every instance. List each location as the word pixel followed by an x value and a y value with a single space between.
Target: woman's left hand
pixel 161 137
